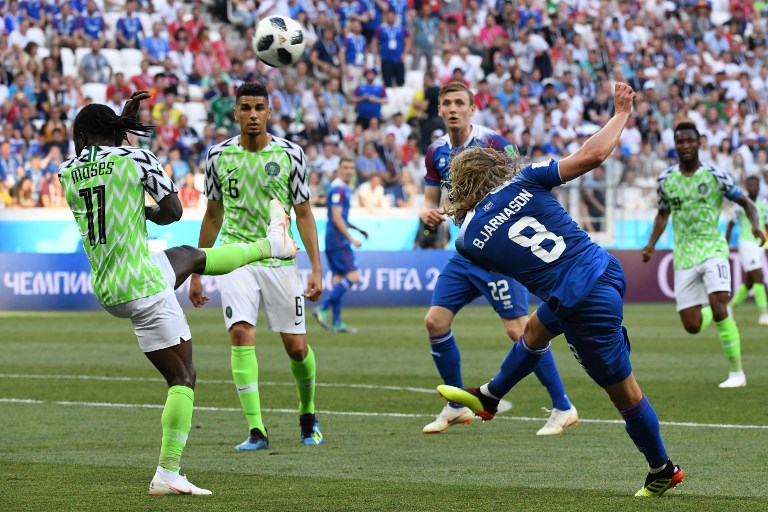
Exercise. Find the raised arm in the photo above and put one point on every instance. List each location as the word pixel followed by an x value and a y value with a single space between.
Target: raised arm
pixel 599 146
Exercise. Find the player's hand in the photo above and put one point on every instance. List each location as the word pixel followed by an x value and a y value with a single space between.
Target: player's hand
pixel 623 96
pixel 356 242
pixel 196 291
pixel 758 233
pixel 433 218
pixel 314 286
pixel 648 253
pixel 131 108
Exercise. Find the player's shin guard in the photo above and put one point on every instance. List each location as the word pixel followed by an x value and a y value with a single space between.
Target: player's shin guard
pixel 548 375
pixel 761 300
pixel 226 258
pixel 176 422
pixel 730 341
pixel 740 295
pixel 642 425
pixel 304 374
pixel 445 353
pixel 245 372
pixel 520 362
pixel 706 318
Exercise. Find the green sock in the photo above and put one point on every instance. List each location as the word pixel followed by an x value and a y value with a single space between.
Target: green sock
pixel 177 422
pixel 740 295
pixel 706 318
pixel 245 371
pixel 761 301
pixel 730 342
pixel 304 373
pixel 226 258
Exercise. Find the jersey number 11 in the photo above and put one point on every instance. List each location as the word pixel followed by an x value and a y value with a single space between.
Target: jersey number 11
pixel 100 193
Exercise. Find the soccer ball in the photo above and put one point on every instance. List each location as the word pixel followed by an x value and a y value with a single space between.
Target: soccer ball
pixel 279 41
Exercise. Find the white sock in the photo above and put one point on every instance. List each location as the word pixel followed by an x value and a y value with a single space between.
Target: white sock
pixel 484 390
pixel 653 471
pixel 166 474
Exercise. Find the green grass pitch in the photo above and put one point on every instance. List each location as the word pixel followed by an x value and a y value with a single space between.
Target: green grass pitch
pixel 80 421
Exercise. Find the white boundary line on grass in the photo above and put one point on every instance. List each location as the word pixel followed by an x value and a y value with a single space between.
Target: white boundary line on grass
pixel 359 414
pixel 207 381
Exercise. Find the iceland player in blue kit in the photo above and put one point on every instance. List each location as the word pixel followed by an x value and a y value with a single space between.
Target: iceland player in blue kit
pixel 511 223
pixel 461 281
pixel 338 249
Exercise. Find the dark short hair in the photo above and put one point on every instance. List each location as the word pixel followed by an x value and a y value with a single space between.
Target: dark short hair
pixel 252 89
pixel 687 125
pixel 752 178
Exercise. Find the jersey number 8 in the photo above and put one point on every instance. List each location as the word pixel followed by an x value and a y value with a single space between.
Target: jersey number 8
pixel 534 242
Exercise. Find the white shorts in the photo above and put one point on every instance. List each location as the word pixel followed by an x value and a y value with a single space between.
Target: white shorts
pixel 158 320
pixel 279 288
pixel 693 285
pixel 751 256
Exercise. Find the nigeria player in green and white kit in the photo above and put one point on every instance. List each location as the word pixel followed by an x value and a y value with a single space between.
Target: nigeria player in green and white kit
pixel 105 185
pixel 692 194
pixel 751 252
pixel 242 175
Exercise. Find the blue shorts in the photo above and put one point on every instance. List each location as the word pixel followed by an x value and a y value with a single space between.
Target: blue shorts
pixel 341 260
pixel 460 282
pixel 593 328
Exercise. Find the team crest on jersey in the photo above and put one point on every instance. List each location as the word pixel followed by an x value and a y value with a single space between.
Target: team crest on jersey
pixel 272 169
pixel 487 206
pixel 703 189
pixel 228 312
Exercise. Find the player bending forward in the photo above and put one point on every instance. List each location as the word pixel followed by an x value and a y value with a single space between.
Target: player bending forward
pixel 105 184
pixel 511 223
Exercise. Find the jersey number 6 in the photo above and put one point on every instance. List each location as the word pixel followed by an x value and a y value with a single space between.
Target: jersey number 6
pixel 534 242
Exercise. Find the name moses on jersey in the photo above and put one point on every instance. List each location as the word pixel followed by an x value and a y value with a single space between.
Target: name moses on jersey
pixel 514 206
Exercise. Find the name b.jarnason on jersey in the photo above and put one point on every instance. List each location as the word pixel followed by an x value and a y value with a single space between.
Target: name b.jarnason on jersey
pixel 245 182
pixel 105 189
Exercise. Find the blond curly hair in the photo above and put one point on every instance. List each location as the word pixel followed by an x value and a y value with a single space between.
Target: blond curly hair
pixel 474 173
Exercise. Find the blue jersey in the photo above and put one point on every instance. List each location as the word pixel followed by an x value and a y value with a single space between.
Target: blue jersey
pixel 338 196
pixel 440 153
pixel 520 230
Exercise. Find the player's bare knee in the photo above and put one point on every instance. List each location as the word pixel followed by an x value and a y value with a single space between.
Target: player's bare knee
pixel 435 324
pixel 692 327
pixel 241 334
pixel 195 256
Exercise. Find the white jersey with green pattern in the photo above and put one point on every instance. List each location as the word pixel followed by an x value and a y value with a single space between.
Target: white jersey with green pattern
pixel 695 203
pixel 105 188
pixel 245 182
pixel 745 227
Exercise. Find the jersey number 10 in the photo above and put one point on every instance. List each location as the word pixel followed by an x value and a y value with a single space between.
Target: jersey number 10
pixel 101 196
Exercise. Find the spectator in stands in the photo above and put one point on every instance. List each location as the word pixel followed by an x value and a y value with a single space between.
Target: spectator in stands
pixel 424 30
pixel 25 195
pixel 51 193
pixel 317 189
pixel 11 169
pixel 371 194
pixel 155 47
pixel 593 195
pixel 391 40
pixel 368 98
pixel 325 55
pixel 63 27
pixel 167 102
pixel 222 107
pixel 5 197
pixel 94 67
pixel 189 143
pixel 91 24
pixel 353 55
pixel 129 32
pixel 369 163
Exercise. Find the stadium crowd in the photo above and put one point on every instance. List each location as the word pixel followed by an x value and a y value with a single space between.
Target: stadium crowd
pixel 542 73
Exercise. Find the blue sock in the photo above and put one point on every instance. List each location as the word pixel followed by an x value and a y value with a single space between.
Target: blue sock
pixel 550 377
pixel 336 308
pixel 336 293
pixel 520 362
pixel 642 425
pixel 447 358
